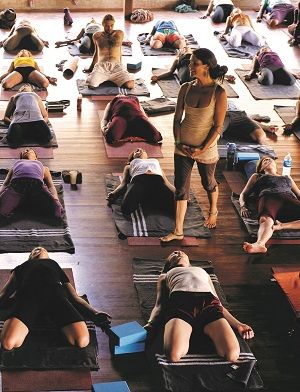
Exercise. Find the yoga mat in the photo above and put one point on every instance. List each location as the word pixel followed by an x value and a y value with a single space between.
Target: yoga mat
pixel 287 114
pixel 170 86
pixel 45 347
pixel 276 91
pixel 143 223
pixel 244 147
pixel 155 241
pixel 4 143
pixel 195 370
pixel 158 106
pixel 245 51
pixel 74 51
pixel 236 182
pixel 165 51
pixel 46 153
pixel 46 380
pixel 109 90
pixel 22 232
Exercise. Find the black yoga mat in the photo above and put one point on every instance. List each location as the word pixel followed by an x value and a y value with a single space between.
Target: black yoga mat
pixel 24 231
pixel 165 51
pixel 111 89
pixel 143 223
pixel 74 51
pixel 196 371
pixel 158 106
pixel 4 143
pixel 275 91
pixel 45 347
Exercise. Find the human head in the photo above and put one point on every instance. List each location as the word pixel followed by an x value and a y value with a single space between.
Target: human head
pixel 236 11
pixel 264 163
pixel 137 153
pixel 108 23
pixel 204 58
pixel 26 88
pixel 24 53
pixel 28 153
pixel 176 259
pixel 38 253
pixel 264 49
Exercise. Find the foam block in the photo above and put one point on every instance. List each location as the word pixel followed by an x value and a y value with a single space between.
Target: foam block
pixel 127 333
pixel 134 66
pixel 127 348
pixel 247 156
pixel 114 386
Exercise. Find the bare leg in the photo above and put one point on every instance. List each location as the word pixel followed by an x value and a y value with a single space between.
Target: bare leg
pixel 38 79
pixel 181 206
pixel 224 339
pixel 77 334
pixel 129 84
pixel 155 43
pixel 13 333
pixel 12 79
pixel 265 232
pixel 12 42
pixel 211 221
pixel 258 135
pixel 176 339
pixel 179 43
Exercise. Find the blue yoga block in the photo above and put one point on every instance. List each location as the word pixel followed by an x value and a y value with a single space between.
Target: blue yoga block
pixel 134 66
pixel 114 386
pixel 247 156
pixel 127 333
pixel 127 348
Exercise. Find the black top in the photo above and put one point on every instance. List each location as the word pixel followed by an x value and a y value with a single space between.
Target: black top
pixel 39 272
pixel 270 184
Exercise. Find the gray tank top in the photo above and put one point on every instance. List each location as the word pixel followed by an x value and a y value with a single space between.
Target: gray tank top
pixel 27 108
pixel 24 168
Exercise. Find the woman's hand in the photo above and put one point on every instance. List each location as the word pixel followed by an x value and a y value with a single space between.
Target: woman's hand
pixel 277 226
pixel 204 16
pixel 245 331
pixel 102 320
pixel 288 127
pixel 52 80
pixel 186 149
pixel 245 212
pixel 111 196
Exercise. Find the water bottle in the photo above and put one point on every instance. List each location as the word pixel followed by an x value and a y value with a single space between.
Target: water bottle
pixel 231 150
pixel 287 165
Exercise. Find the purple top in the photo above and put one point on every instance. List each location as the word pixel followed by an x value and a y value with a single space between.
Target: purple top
pixel 28 168
pixel 269 60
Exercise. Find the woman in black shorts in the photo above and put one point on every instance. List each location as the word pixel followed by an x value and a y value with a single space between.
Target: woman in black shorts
pixel 187 300
pixel 40 287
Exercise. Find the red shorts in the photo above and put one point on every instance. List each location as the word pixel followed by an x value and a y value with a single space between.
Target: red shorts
pixel 167 38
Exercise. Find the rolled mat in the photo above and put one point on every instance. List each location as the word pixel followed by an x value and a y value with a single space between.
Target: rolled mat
pixel 146 223
pixel 108 89
pixel 275 91
pixel 196 371
pixel 24 231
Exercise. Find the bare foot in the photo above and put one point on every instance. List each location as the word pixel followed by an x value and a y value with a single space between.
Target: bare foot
pixel 171 237
pixel 211 221
pixel 277 225
pixel 254 248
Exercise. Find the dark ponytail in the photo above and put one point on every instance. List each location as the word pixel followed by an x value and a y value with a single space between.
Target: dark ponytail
pixel 207 57
pixel 218 72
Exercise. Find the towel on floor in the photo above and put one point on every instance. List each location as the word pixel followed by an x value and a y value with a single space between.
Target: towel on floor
pixel 275 91
pixel 143 223
pixel 45 347
pixel 22 232
pixel 158 106
pixel 4 143
pixel 165 51
pixel 74 51
pixel 111 89
pixel 195 371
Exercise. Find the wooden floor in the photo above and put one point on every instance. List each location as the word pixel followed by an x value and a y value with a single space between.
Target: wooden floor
pixel 102 262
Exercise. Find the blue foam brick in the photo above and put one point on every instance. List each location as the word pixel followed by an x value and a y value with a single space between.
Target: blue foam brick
pixel 127 333
pixel 128 348
pixel 114 386
pixel 136 65
pixel 247 156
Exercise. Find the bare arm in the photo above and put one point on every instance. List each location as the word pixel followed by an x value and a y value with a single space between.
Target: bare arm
pixel 7 180
pixel 254 69
pixel 167 182
pixel 261 11
pixel 164 75
pixel 78 299
pixel 153 31
pixel 10 70
pixel 228 25
pixel 245 192
pixel 209 9
pixel 10 108
pixel 161 291
pixel 105 118
pixel 120 188
pixel 95 55
pixel 70 41
pixel 49 182
pixel 179 112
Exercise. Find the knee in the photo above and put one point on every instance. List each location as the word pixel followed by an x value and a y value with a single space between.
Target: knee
pixel 232 355
pixel 83 341
pixel 173 355
pixel 9 343
pixel 44 83
pixel 156 44
pixel 265 219
pixel 129 84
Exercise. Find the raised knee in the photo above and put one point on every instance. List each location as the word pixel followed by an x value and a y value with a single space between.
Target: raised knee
pixel 82 341
pixel 232 355
pixel 156 44
pixel 129 84
pixel 173 355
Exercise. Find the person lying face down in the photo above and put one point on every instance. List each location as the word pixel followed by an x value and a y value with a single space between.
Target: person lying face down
pixel 278 12
pixel 277 199
pixel 29 183
pixel 23 36
pixel 165 33
pixel 124 117
pixel 39 286
pixel 186 301
pixel 27 118
pixel 145 183
pixel 24 69
pixel 218 10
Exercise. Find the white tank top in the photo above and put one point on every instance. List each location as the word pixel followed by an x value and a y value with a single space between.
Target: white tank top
pixel 192 279
pixel 141 166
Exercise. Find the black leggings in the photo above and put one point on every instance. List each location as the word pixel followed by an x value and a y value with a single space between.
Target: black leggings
pixel 34 131
pixel 149 190
pixel 221 12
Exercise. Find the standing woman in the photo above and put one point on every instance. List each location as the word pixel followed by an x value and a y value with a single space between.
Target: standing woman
pixel 203 102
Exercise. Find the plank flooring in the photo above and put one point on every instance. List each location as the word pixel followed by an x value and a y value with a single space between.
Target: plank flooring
pixel 102 262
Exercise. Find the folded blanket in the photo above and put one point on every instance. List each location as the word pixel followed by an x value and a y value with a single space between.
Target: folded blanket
pixel 158 106
pixel 146 223
pixel 22 232
pixel 109 88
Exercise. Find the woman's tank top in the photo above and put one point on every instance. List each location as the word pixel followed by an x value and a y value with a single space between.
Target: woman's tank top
pixel 192 279
pixel 141 166
pixel 24 62
pixel 27 108
pixel 270 184
pixel 195 127
pixel 25 168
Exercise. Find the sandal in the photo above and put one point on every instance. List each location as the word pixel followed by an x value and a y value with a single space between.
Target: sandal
pixel 172 237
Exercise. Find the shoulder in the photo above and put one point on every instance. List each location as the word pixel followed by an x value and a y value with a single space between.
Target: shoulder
pixel 119 32
pixel 220 92
pixel 184 87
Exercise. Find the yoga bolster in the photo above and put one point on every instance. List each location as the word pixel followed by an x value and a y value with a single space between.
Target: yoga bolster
pixel 70 67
